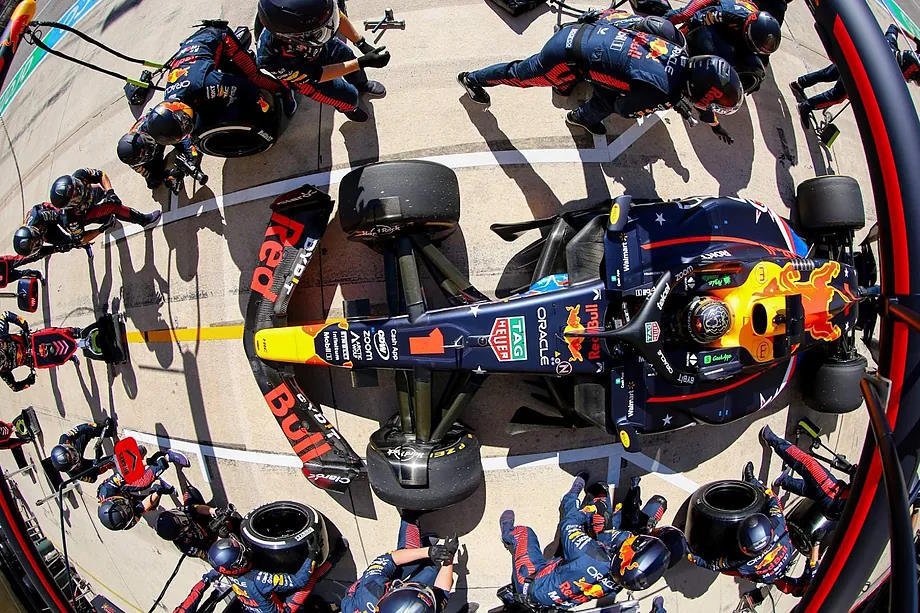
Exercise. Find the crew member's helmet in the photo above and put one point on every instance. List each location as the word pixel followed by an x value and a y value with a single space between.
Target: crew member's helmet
pixel 27 240
pixel 910 66
pixel 708 319
pixel 116 513
pixel 173 524
pixel 309 23
pixel 136 148
pixel 713 84
pixel 65 457
pixel 170 122
pixel 674 540
pixel 762 32
pixel 408 598
pixel 229 556
pixel 640 561
pixel 755 534
pixel 67 190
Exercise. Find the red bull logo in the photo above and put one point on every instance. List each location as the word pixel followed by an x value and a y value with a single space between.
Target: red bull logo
pixel 175 74
pixel 657 47
pixel 591 590
pixel 628 555
pixel 573 324
pixel 817 294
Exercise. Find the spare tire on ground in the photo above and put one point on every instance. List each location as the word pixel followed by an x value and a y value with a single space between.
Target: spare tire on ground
pixel 714 513
pixel 282 534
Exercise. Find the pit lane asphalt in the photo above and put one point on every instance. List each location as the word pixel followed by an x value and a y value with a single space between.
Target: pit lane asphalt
pixel 193 272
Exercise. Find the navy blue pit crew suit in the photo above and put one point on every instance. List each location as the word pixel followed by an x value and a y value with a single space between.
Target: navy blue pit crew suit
pixel 79 438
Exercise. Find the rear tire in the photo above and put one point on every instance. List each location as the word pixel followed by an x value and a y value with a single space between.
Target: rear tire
pixel 454 471
pixel 807 525
pixel 829 204
pixel 714 513
pixel 383 199
pixel 283 534
pixel 835 386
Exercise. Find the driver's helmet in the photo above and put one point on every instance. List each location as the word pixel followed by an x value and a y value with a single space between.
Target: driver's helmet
pixel 640 561
pixel 300 23
pixel 174 524
pixel 27 240
pixel 409 597
pixel 136 148
pixel 755 534
pixel 229 556
pixel 762 32
pixel 65 457
pixel 708 319
pixel 170 122
pixel 713 85
pixel 116 513
pixel 68 190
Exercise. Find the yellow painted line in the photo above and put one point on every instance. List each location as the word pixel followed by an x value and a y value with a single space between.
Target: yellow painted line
pixel 171 335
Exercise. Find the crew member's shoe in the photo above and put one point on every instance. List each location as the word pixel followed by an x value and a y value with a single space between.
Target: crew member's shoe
pixel 476 92
pixel 597 129
pixel 151 218
pixel 797 90
pixel 358 115
pixel 778 482
pixel 177 458
pixel 289 103
pixel 373 89
pixel 766 435
pixel 506 521
pixel 748 473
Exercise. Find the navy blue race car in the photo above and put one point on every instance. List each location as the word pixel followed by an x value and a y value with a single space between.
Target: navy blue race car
pixel 641 317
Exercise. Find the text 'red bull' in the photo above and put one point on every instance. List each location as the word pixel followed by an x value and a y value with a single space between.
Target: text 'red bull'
pixel 282 232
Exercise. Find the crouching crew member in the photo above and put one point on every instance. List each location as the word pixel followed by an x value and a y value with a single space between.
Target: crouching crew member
pixel 122 504
pixel 300 47
pixel 87 196
pixel 195 526
pixel 15 351
pixel 633 73
pixel 767 550
pixel 68 455
pixel 412 578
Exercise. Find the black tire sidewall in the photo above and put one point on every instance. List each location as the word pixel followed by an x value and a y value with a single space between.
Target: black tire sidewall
pixel 711 531
pixel 829 204
pixel 284 554
pixel 834 387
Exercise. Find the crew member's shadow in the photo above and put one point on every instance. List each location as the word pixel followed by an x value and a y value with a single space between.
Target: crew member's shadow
pixel 730 165
pixel 182 236
pixel 778 132
pixel 634 168
pixel 520 22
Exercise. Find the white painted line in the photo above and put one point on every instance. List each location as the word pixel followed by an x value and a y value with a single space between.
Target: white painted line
pixel 600 154
pixel 613 452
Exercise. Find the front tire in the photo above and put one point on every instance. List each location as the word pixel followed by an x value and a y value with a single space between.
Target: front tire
pixel 283 534
pixel 454 470
pixel 835 386
pixel 829 205
pixel 715 511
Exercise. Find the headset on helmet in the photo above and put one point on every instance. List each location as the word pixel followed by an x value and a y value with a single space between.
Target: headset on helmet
pixel 229 556
pixel 300 22
pixel 755 534
pixel 67 190
pixel 136 148
pixel 640 561
pixel 713 85
pixel 170 122
pixel 409 597
pixel 708 319
pixel 27 240
pixel 172 524
pixel 762 32
pixel 116 513
pixel 65 457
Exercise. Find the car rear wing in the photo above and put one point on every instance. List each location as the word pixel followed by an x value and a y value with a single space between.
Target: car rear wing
pixel 298 221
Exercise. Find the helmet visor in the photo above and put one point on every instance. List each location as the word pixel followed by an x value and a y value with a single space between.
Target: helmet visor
pixel 722 109
pixel 314 38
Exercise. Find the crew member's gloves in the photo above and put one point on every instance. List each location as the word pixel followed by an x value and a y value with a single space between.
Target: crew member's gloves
pixel 108 427
pixel 364 46
pixel 590 16
pixel 723 135
pixel 443 554
pixel 161 487
pixel 376 58
pixel 111 196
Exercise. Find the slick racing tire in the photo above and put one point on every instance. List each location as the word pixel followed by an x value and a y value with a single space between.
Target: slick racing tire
pixel 234 139
pixel 454 471
pixel 829 204
pixel 807 525
pixel 714 513
pixel 381 200
pixel 835 386
pixel 283 534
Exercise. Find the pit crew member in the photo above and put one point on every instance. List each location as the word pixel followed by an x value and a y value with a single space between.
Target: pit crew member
pixel 195 526
pixel 122 504
pixel 68 455
pixel 87 196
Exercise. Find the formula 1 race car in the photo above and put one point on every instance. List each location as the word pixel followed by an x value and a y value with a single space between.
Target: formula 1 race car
pixel 641 317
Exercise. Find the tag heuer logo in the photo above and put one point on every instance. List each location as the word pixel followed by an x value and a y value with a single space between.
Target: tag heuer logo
pixel 508 339
pixel 652 332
